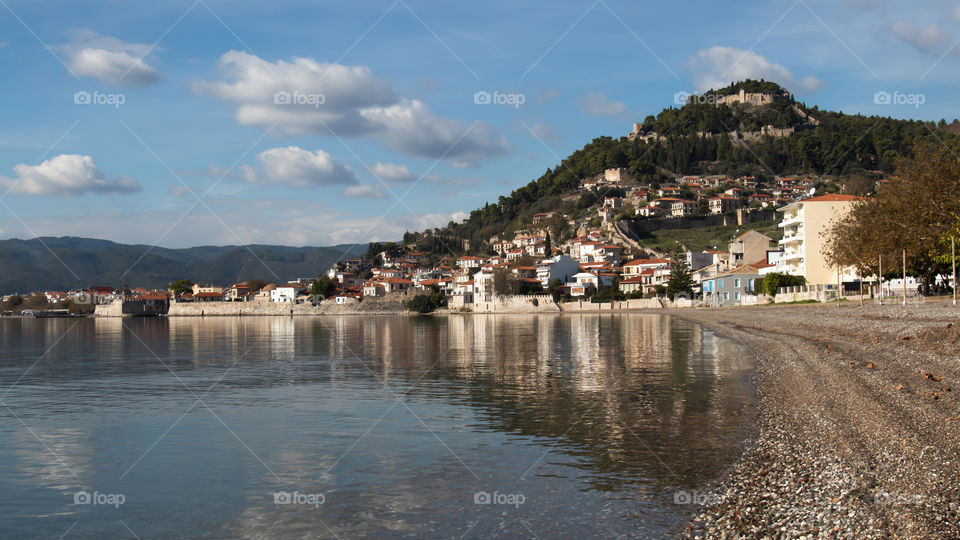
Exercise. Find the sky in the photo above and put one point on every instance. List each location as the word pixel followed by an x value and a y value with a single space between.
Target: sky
pixel 215 122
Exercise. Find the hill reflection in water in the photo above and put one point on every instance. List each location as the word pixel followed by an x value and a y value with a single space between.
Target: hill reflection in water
pixel 596 419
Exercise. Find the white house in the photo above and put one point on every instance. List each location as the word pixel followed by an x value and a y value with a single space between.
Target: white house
pixel 483 287
pixel 583 282
pixel 469 262
pixel 561 267
pixel 285 294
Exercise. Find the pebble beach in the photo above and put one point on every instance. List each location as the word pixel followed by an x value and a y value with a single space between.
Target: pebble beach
pixel 858 428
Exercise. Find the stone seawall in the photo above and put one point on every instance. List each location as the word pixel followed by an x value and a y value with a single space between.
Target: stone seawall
pixel 620 305
pixel 587 306
pixel 269 309
pixel 542 303
pixel 113 309
pixel 233 309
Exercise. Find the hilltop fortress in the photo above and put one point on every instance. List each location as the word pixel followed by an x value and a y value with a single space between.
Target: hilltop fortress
pixel 747 98
pixel 743 98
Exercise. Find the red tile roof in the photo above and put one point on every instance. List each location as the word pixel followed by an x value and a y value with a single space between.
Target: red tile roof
pixel 153 296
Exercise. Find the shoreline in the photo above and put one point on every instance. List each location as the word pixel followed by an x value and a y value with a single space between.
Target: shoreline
pixel 858 420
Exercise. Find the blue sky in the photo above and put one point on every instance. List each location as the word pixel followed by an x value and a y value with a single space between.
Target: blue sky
pixel 318 123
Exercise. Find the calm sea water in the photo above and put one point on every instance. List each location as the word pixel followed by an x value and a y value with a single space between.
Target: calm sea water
pixel 459 426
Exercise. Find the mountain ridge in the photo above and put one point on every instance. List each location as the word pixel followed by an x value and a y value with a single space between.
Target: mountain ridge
pixel 64 263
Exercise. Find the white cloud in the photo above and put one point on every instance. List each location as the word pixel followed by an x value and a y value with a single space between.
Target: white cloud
pixel 441 219
pixel 253 83
pixel 717 67
pixel 365 191
pixel 108 59
pixel 596 104
pixel 411 127
pixel 930 39
pixel 295 167
pixel 393 172
pixel 346 101
pixel 180 191
pixel 545 132
pixel 433 220
pixel 66 175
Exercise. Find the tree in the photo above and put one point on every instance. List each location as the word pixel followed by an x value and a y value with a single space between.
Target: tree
pixel 36 301
pixel 547 247
pixel 502 279
pixel 681 282
pixel 13 302
pixel 555 226
pixel 772 282
pixel 859 185
pixel 323 287
pixel 424 303
pixel 917 213
pixel 256 284
pixel 180 287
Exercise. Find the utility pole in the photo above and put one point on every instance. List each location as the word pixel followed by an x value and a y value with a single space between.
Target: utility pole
pixel 953 257
pixel 860 279
pixel 880 278
pixel 904 278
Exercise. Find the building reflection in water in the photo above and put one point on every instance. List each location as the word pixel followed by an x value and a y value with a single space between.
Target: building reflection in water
pixel 623 393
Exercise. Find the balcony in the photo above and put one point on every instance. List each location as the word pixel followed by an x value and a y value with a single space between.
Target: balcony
pixel 791 239
pixel 789 220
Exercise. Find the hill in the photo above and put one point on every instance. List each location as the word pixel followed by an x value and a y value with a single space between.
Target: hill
pixel 703 238
pixel 714 135
pixel 69 263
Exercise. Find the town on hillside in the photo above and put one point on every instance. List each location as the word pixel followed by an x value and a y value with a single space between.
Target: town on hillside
pixel 553 257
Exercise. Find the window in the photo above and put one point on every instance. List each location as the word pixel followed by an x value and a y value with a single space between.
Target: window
pixel 719 283
pixel 726 296
pixel 750 284
pixel 736 296
pixel 736 282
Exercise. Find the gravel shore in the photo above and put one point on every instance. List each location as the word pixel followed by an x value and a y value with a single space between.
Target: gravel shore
pixel 859 424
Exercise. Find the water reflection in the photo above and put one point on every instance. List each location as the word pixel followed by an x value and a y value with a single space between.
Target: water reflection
pixel 399 420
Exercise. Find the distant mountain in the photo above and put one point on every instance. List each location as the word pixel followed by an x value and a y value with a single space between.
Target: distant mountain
pixel 65 263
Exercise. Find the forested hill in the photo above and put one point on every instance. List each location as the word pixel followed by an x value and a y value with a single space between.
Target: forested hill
pixel 706 137
pixel 69 263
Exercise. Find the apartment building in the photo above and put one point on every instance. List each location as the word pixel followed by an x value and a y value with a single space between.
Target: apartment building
pixel 804 226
